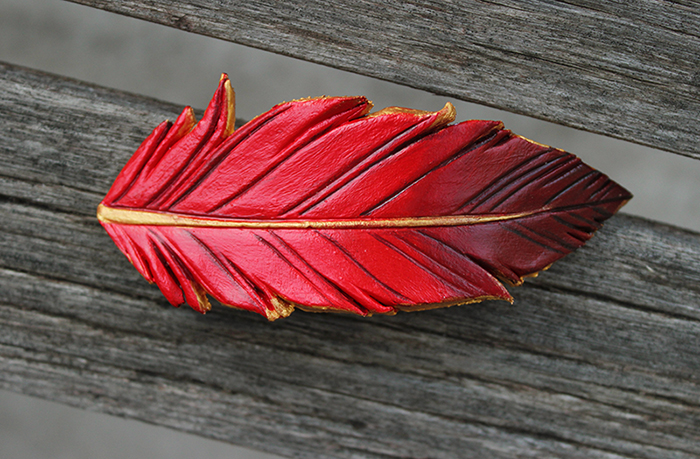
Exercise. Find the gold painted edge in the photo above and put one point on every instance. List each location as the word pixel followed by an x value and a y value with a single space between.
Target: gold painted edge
pixel 111 215
pixel 445 115
pixel 283 308
pixel 449 303
pixel 230 106
pixel 202 299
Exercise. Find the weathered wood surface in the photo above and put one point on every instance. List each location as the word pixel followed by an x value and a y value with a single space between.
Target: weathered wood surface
pixel 598 357
pixel 630 70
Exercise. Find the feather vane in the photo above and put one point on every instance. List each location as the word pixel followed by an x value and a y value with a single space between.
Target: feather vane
pixel 321 205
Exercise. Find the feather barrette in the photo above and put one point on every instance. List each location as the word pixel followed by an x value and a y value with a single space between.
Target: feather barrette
pixel 321 205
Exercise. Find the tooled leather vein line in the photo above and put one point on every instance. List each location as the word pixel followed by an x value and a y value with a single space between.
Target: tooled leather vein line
pixel 593 223
pixel 603 213
pixel 138 174
pixel 272 167
pixel 336 183
pixel 547 236
pixel 491 269
pixel 138 252
pixel 608 184
pixel 560 169
pixel 294 267
pixel 577 228
pixel 560 166
pixel 441 264
pixel 423 266
pixel 392 147
pixel 528 238
pixel 153 242
pixel 360 266
pixel 209 165
pixel 571 185
pixel 503 181
pixel 244 282
pixel 319 274
pixel 165 188
pixel 176 258
pixel 470 147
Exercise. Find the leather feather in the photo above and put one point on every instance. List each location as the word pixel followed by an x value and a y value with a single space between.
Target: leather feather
pixel 321 205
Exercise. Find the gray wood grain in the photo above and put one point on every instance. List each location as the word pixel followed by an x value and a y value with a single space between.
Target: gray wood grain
pixel 630 70
pixel 598 357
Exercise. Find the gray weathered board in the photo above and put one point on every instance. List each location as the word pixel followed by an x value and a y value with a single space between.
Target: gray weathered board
pixel 630 70
pixel 598 357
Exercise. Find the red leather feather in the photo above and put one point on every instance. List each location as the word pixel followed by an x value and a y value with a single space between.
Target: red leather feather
pixel 318 204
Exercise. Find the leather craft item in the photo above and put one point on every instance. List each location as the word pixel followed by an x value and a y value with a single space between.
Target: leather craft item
pixel 321 205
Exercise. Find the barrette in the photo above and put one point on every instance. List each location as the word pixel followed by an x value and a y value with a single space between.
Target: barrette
pixel 320 204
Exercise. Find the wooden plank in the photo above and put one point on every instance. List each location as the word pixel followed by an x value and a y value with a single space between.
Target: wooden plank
pixel 596 358
pixel 629 70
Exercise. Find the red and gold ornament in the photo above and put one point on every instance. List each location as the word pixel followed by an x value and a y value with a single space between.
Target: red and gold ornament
pixel 321 205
